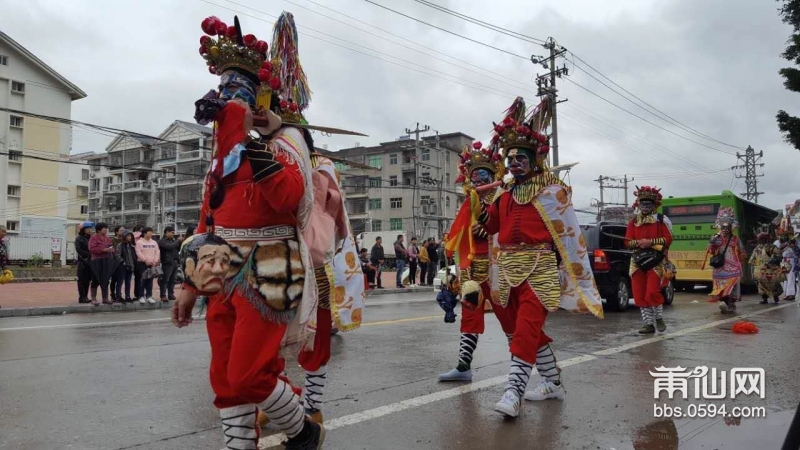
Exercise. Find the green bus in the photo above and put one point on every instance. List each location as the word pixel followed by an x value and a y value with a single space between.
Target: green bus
pixel 693 220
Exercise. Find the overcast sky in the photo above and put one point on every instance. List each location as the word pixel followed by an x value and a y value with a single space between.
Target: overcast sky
pixel 710 64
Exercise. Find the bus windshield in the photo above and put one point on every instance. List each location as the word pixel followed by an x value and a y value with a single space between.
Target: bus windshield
pixel 701 213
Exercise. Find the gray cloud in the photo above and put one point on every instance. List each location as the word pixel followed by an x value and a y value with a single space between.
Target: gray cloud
pixel 713 65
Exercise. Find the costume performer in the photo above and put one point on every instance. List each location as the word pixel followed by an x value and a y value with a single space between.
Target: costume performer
pixel 250 256
pixel 481 171
pixel 766 262
pixel 787 250
pixel 338 275
pixel 649 234
pixel 534 219
pixel 728 276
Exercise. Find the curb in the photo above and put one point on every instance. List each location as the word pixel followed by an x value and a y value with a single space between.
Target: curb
pixel 44 280
pixel 81 308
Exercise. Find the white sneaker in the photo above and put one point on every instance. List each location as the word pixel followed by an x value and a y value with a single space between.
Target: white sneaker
pixel 544 391
pixel 509 404
pixel 151 301
pixel 142 300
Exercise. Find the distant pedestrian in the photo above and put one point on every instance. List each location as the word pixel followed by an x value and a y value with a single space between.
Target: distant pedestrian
pixel 102 262
pixel 424 262
pixel 119 274
pixel 149 257
pixel 367 267
pixel 85 278
pixel 127 254
pixel 377 258
pixel 400 257
pixel 137 273
pixel 413 261
pixel 3 249
pixel 433 255
pixel 169 248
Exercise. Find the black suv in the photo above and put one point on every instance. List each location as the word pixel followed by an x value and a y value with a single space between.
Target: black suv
pixel 611 263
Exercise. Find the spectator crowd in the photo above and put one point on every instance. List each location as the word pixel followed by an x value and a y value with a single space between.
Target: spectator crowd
pixel 115 260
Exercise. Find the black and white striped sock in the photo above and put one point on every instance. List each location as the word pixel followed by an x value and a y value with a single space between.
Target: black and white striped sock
pixel 546 365
pixel 239 427
pixel 510 337
pixel 519 376
pixel 312 391
pixel 647 315
pixel 284 410
pixel 658 310
pixel 469 341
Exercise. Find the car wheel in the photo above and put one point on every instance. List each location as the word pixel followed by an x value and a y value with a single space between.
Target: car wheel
pixel 622 297
pixel 669 293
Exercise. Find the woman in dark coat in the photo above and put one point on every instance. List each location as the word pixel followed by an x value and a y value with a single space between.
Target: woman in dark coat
pixel 103 263
pixel 85 277
pixel 127 255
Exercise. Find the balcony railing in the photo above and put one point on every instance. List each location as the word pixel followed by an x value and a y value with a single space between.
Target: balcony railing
pixel 139 185
pixel 136 207
pixel 409 167
pixel 194 155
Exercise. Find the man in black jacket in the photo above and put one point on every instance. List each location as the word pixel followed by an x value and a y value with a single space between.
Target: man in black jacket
pixel 85 277
pixel 169 247
pixel 433 255
pixel 376 258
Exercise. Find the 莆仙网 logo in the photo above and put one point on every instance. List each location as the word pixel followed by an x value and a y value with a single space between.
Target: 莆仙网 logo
pixel 708 383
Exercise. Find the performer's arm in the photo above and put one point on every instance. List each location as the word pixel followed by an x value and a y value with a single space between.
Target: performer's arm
pixel 489 217
pixel 283 190
pixel 630 234
pixel 666 236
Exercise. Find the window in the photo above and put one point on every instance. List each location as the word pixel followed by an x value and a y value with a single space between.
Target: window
pixel 377 225
pixel 376 161
pixel 12 225
pixel 426 154
pixel 16 121
pixel 14 191
pixel 396 224
pixel 393 159
pixel 84 174
pixel 406 158
pixel 447 201
pixel 447 156
pixel 393 180
pixel 447 178
pixel 3 60
pixel 407 182
pixel 18 87
pixel 374 203
pixel 375 182
pixel 396 203
pixel 83 191
pixel 15 155
pixel 341 167
pixel 84 209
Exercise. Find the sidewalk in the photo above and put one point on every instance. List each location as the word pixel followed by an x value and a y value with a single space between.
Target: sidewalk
pixel 61 297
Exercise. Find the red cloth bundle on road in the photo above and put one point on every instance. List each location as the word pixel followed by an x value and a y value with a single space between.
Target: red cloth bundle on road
pixel 745 328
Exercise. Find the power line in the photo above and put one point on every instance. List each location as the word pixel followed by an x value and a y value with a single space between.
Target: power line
pixel 645 120
pixel 448 31
pixel 482 23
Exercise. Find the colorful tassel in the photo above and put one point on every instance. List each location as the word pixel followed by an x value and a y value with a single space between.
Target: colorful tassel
pixel 284 48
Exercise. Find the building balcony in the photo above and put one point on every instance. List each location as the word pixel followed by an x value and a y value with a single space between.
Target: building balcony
pixel 409 167
pixel 191 180
pixel 138 186
pixel 356 191
pixel 132 208
pixel 358 215
pixel 197 155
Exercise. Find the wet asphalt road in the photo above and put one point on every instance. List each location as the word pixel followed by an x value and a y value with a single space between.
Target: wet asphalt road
pixel 120 381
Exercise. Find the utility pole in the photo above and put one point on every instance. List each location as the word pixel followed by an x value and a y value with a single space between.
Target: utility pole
pixel 547 87
pixel 417 131
pixel 750 160
pixel 620 184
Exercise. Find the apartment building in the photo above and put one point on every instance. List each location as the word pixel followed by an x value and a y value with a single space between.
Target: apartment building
pixel 412 188
pixel 34 194
pixel 151 182
pixel 78 193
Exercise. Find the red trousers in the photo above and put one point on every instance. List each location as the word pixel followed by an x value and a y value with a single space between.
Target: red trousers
pixel 530 315
pixel 245 361
pixel 312 360
pixel 646 288
pixel 472 320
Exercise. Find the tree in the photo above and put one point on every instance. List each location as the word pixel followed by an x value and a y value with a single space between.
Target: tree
pixel 790 125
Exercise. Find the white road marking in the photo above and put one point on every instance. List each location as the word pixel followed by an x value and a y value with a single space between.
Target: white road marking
pixel 352 419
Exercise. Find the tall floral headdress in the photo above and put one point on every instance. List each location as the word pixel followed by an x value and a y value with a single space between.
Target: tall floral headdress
pixel 651 193
pixel 726 216
pixel 475 157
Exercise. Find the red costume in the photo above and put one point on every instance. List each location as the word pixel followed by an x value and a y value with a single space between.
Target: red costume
pixel 647 285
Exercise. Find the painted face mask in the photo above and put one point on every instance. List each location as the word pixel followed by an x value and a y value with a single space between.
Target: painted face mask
pixel 647 207
pixel 726 230
pixel 519 164
pixel 206 261
pixel 481 177
pixel 233 85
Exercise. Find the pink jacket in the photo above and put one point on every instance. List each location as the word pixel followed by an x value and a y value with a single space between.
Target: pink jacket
pixel 148 252
pixel 327 224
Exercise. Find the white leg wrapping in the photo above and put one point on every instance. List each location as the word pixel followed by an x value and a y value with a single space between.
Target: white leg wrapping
pixel 546 364
pixel 519 376
pixel 238 427
pixel 284 410
pixel 312 391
